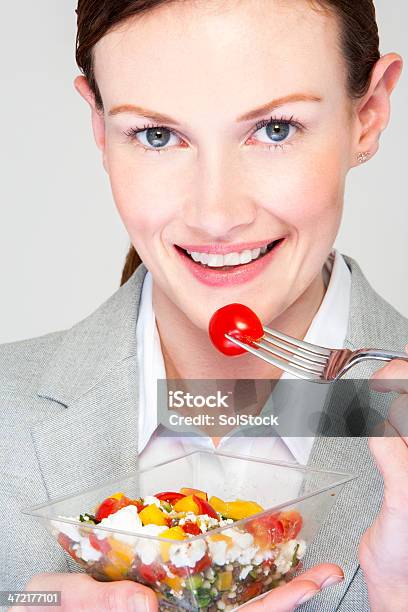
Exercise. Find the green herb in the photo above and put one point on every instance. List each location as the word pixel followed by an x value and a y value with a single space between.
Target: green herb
pixel 253 574
pixel 88 518
pixel 295 560
pixel 194 582
pixel 203 598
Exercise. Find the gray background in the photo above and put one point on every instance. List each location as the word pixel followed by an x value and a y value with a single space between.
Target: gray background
pixel 62 243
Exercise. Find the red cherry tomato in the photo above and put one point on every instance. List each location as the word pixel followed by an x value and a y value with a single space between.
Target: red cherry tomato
pixel 101 545
pixel 111 505
pixel 236 320
pixel 191 528
pixel 137 503
pixel 292 523
pixel 169 496
pixel 267 530
pixel 252 590
pixel 152 573
pixel 184 572
pixel 204 507
pixel 66 544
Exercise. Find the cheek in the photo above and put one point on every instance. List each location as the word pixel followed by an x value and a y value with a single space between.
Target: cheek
pixel 145 203
pixel 306 193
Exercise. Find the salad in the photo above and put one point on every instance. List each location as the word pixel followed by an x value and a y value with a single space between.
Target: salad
pixel 198 554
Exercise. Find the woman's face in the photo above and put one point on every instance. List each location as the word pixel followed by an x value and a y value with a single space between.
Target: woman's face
pixel 214 176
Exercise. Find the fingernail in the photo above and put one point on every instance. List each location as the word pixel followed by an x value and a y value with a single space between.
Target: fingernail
pixel 335 579
pixel 137 603
pixel 307 596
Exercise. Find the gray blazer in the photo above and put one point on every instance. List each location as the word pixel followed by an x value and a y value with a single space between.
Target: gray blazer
pixel 69 410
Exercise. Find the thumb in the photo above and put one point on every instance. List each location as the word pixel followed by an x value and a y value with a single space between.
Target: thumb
pixel 118 596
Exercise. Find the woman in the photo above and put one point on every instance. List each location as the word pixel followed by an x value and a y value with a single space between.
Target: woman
pixel 224 127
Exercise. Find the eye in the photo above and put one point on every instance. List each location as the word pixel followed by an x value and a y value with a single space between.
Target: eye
pixel 278 131
pixel 153 137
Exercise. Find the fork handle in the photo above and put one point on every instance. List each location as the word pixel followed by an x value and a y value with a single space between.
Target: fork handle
pixel 380 355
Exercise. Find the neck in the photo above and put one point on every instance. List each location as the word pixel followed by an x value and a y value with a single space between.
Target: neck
pixel 189 354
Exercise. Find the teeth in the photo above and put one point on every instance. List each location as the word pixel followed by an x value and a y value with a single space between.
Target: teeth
pixel 231 259
pixel 214 260
pixel 245 257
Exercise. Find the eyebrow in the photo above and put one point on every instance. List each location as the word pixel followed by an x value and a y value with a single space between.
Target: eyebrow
pixel 253 114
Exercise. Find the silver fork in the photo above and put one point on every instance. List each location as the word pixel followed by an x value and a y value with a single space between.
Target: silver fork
pixel 310 361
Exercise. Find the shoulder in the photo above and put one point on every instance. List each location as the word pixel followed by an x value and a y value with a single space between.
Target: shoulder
pixel 22 363
pixel 373 320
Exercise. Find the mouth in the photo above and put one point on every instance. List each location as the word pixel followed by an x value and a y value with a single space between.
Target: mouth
pixel 216 268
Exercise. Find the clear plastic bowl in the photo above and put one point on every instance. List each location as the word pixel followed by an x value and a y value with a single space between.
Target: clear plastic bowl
pixel 218 570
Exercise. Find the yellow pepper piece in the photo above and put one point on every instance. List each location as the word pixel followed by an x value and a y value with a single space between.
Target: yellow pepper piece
pixel 197 492
pixel 120 555
pixel 117 495
pixel 186 504
pixel 113 572
pixel 236 509
pixel 218 505
pixel 174 533
pixel 224 581
pixel 152 515
pixel 242 509
pixel 174 583
pixel 219 537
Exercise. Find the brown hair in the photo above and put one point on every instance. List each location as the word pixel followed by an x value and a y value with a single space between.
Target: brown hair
pixel 359 42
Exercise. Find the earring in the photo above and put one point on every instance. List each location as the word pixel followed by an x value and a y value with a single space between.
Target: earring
pixel 363 157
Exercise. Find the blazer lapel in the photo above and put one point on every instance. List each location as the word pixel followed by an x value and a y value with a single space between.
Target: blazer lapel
pixel 93 376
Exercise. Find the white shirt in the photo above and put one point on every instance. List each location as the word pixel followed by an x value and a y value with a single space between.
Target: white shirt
pixel 328 328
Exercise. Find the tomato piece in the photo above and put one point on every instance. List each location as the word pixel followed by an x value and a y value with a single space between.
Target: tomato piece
pixel 137 503
pixel 236 320
pixel 184 572
pixel 152 573
pixel 253 590
pixel 191 528
pixel 198 492
pixel 111 505
pixel 267 530
pixel 204 507
pixel 292 523
pixel 66 544
pixel 101 545
pixel 170 497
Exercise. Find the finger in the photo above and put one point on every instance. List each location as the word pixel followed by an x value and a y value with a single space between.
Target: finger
pixel 391 456
pixel 392 377
pixel 302 588
pixel 398 416
pixel 81 592
pixel 320 573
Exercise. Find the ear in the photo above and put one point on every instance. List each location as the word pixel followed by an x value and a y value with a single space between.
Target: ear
pixel 373 110
pixel 98 122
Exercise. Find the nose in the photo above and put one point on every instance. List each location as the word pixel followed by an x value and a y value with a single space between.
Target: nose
pixel 218 203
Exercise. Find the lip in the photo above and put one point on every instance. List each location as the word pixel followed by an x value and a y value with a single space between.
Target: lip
pixel 223 249
pixel 214 277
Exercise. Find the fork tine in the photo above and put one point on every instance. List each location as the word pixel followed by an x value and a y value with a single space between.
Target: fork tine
pixel 282 365
pixel 307 346
pixel 299 352
pixel 307 364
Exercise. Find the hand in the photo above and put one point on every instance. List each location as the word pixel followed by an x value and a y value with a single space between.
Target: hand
pixel 383 549
pixel 82 593
pixel 302 588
